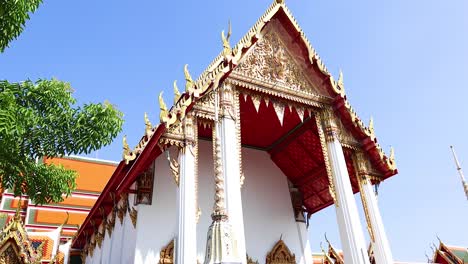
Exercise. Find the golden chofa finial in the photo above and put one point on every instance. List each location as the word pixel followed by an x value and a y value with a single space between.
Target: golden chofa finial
pixel 162 107
pixel 279 1
pixel 188 79
pixel 391 159
pixel 176 92
pixel 371 126
pixel 227 51
pixel 165 117
pixel 340 80
pixel 127 155
pixel 148 126
pixel 392 154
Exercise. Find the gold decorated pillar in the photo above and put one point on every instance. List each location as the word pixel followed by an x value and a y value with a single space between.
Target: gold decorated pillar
pixel 352 237
pixel 382 252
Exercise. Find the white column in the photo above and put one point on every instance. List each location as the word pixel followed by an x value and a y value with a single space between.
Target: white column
pixel 352 237
pixel 382 252
pixel 305 243
pixel 231 163
pixel 186 241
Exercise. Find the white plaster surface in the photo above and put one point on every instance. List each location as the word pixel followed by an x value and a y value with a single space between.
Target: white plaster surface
pixel 129 236
pixel 268 212
pixel 267 209
pixel 116 242
pixel 156 225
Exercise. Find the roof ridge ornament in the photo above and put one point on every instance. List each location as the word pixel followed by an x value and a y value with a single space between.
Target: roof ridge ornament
pixel 188 79
pixel 127 155
pixel 227 50
pixel 371 128
pixel 176 92
pixel 165 116
pixel 148 126
pixel 391 159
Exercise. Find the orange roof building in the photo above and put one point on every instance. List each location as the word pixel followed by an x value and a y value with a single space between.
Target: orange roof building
pixel 42 222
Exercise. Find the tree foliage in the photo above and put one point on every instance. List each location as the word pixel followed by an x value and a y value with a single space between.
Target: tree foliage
pixel 39 120
pixel 13 16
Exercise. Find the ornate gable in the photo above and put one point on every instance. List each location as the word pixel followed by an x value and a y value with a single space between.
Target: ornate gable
pixel 275 61
pixel 15 246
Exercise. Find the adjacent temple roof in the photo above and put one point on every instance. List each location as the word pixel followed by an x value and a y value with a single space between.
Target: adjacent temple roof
pixel 450 254
pixel 329 91
pixel 17 245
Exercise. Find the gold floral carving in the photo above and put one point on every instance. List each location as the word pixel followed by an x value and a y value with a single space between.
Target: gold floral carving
pixel 280 254
pixel 166 256
pixel 323 143
pixel 227 102
pixel 111 221
pixel 144 186
pixel 219 177
pixel 332 131
pixel 123 208
pixel 204 107
pixel 134 216
pixel 195 153
pixel 238 135
pixel 270 61
pixel 361 165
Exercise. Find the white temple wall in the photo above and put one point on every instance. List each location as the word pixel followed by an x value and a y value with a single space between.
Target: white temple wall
pixel 106 245
pixel 96 259
pixel 89 259
pixel 129 236
pixel 116 242
pixel 268 212
pixel 156 225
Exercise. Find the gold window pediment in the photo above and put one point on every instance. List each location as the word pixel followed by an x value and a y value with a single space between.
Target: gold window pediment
pixel 280 254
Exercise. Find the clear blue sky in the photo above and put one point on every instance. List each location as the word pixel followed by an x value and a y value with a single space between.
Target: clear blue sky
pixel 404 63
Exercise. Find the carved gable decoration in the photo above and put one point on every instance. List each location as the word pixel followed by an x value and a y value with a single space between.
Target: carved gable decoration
pixel 10 255
pixel 269 61
pixel 166 256
pixel 280 254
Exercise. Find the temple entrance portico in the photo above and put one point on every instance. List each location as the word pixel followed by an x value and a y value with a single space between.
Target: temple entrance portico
pixel 262 140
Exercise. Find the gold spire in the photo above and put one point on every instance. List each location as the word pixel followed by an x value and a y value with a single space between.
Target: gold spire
pixel 188 79
pixel 371 126
pixel 127 155
pixel 392 155
pixel 176 92
pixel 162 107
pixel 227 51
pixel 148 126
pixel 340 79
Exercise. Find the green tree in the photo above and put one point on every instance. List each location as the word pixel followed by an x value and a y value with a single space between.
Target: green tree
pixel 13 16
pixel 41 120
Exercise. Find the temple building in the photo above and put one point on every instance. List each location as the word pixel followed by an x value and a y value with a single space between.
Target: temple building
pixel 445 254
pixel 262 140
pixel 42 233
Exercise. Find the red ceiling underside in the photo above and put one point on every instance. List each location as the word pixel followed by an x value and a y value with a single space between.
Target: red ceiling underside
pixel 294 147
